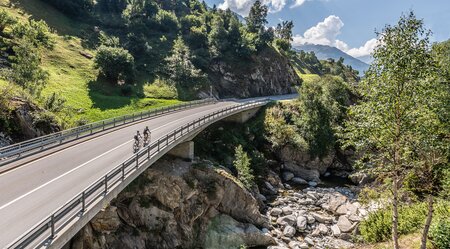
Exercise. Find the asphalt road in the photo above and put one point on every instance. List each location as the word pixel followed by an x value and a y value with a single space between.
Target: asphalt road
pixel 31 192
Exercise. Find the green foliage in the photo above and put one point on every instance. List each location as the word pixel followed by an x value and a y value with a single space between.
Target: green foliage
pixel 180 68
pixel 440 234
pixel 167 20
pixel 54 102
pixel 257 17
pixel 160 90
pixel 322 106
pixel 115 63
pixel 378 226
pixel 26 41
pixel 284 35
pixel 242 164
pixel 26 70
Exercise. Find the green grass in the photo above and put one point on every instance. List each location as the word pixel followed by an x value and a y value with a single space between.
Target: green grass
pixel 72 75
pixel 310 77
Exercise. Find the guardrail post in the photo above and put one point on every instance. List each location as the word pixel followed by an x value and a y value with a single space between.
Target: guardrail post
pixel 167 139
pixel 83 202
pixel 103 128
pixel 52 226
pixel 132 116
pixel 148 152
pixel 137 160
pixel 123 172
pixel 106 184
pixel 114 122
pixel 91 128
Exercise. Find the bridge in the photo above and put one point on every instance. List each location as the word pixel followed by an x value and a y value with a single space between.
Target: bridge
pixel 51 186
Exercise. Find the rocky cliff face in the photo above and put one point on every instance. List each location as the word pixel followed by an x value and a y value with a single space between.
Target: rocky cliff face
pixel 269 73
pixel 22 120
pixel 175 204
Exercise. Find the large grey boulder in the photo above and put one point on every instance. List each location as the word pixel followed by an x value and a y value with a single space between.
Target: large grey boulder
pixel 225 232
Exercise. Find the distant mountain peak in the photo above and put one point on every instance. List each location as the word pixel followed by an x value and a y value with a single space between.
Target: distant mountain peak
pixel 324 52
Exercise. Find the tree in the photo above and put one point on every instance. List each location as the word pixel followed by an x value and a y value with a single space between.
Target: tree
pixel 284 33
pixel 115 63
pixel 385 123
pixel 242 164
pixel 322 106
pixel 26 70
pixel 180 68
pixel 257 17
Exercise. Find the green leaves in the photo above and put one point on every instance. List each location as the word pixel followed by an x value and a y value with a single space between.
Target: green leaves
pixel 242 164
pixel 115 63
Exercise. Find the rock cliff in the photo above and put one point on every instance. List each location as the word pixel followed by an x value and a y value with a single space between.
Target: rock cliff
pixel 268 73
pixel 177 204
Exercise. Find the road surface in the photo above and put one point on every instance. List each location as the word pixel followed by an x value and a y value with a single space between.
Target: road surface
pixel 43 183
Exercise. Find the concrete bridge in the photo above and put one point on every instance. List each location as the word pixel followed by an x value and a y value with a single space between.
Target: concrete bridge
pixel 52 186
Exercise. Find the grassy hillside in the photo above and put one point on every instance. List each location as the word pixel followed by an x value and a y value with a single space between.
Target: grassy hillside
pixel 71 74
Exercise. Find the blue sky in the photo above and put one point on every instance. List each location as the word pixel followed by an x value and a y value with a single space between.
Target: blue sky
pixel 348 24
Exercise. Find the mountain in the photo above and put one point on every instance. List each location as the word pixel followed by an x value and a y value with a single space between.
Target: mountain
pixel 324 52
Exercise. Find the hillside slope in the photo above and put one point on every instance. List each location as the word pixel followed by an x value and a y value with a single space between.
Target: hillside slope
pixel 324 52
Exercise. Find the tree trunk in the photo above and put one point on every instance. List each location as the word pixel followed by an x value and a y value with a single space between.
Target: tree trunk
pixel 423 244
pixel 395 213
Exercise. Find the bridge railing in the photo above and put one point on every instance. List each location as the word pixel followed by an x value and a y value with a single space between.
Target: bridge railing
pixel 15 151
pixel 46 230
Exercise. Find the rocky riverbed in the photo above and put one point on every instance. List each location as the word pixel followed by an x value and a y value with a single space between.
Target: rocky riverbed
pixel 315 218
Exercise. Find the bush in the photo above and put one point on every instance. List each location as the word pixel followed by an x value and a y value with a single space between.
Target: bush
pixel 126 90
pixel 167 20
pixel 160 90
pixel 378 226
pixel 115 63
pixel 440 234
pixel 242 164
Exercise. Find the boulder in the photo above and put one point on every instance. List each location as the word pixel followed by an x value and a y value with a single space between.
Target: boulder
pixel 299 181
pixel 276 211
pixel 286 210
pixel 106 221
pixel 322 218
pixel 334 202
pixel 360 178
pixel 286 220
pixel 321 229
pixel 289 231
pixel 287 176
pixel 335 230
pixel 302 223
pixel 224 232
pixel 310 219
pixel 312 184
pixel 344 224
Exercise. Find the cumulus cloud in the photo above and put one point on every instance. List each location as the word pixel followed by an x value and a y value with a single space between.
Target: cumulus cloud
pixel 365 50
pixel 326 32
pixel 242 7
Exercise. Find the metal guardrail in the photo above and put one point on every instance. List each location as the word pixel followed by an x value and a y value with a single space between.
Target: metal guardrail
pixel 47 229
pixel 18 150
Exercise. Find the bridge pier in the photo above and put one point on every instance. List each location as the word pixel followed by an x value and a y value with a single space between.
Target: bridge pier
pixel 242 117
pixel 184 150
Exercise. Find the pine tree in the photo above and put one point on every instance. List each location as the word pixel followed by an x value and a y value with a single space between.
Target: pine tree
pixel 242 164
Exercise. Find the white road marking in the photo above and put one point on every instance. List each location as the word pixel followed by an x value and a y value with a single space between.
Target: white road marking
pixel 66 173
pixel 82 143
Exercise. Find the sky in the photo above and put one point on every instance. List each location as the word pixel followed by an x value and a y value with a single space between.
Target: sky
pixel 349 25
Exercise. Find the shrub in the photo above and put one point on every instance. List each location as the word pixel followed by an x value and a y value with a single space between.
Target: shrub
pixel 242 163
pixel 160 90
pixel 126 90
pixel 115 63
pixel 378 226
pixel 440 234
pixel 167 20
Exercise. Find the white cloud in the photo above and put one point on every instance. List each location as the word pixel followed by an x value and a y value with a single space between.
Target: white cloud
pixel 297 3
pixel 365 50
pixel 242 7
pixel 326 32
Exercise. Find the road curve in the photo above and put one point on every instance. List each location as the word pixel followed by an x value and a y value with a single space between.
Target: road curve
pixel 33 191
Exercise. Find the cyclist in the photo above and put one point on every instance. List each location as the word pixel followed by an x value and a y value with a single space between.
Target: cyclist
pixel 147 135
pixel 137 138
